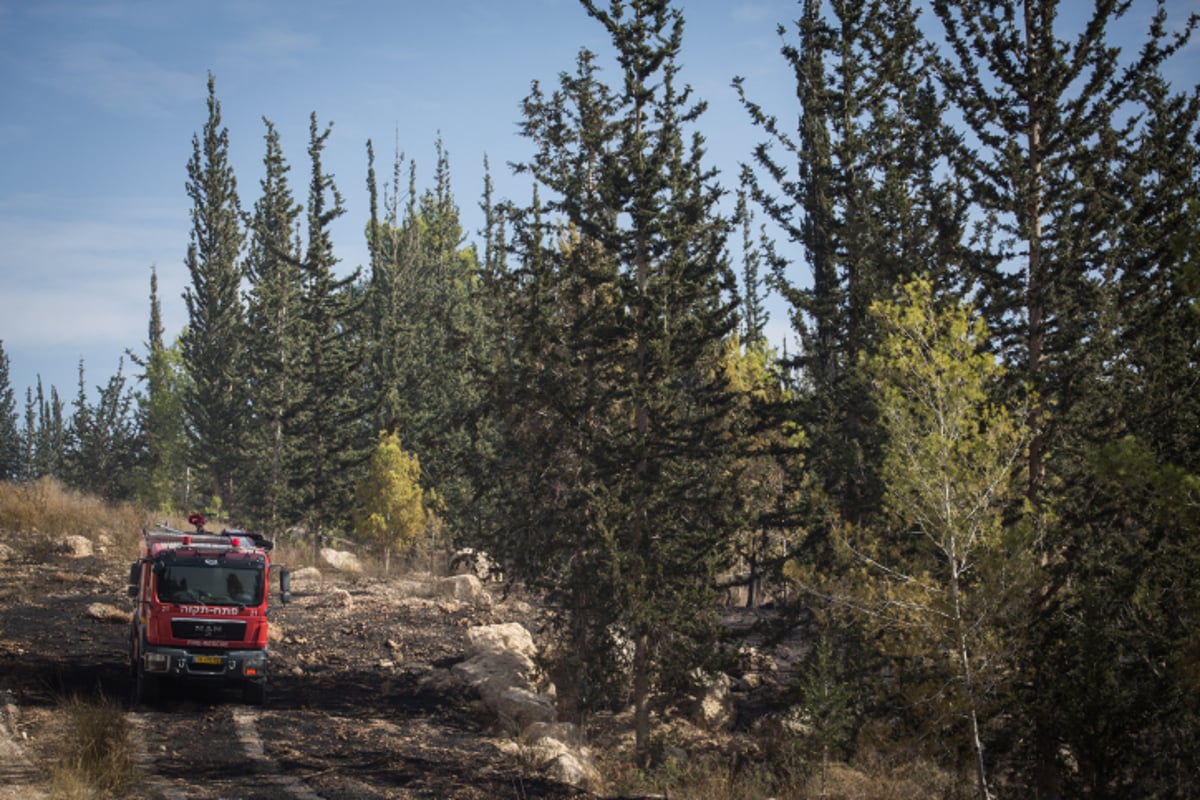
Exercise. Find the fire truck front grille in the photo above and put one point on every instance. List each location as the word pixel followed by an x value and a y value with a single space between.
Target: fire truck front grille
pixel 211 629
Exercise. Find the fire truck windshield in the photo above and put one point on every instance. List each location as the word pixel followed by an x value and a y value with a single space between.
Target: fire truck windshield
pixel 209 584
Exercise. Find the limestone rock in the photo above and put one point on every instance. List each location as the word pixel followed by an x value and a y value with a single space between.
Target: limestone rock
pixel 305 577
pixel 460 587
pixel 75 546
pixel 505 636
pixel 713 709
pixel 340 560
pixel 107 613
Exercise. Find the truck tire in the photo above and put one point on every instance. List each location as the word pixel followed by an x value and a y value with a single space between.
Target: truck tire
pixel 145 688
pixel 254 693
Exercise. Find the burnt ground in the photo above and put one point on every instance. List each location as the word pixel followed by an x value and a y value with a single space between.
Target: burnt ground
pixel 356 706
pixel 349 713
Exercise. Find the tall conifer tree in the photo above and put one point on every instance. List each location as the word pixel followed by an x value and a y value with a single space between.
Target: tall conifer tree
pixel 273 311
pixel 1049 119
pixel 330 397
pixel 213 343
pixel 618 411
pixel 10 434
pixel 161 416
pixel 865 200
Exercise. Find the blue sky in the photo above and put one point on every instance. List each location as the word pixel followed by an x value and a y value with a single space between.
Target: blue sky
pixel 101 99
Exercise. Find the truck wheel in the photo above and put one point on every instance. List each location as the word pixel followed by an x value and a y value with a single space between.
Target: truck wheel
pixel 145 688
pixel 254 693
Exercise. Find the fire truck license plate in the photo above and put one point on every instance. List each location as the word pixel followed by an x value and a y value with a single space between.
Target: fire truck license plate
pixel 208 659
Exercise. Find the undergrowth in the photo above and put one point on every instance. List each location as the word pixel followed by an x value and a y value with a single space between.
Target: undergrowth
pixel 35 516
pixel 94 757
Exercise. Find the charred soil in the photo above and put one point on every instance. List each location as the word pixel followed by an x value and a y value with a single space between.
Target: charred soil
pixel 351 712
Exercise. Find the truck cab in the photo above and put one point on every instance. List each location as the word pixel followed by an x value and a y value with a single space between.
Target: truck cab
pixel 201 603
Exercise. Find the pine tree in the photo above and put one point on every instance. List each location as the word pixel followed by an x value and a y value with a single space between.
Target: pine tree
pixel 213 343
pixel 1048 120
pixel 1133 436
pixel 867 200
pixel 103 442
pixel 330 398
pixel 161 417
pixel 272 311
pixel 44 436
pixel 617 418
pixel 10 435
pixel 428 334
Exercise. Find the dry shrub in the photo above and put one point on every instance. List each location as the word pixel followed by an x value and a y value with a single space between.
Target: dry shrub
pixel 95 756
pixel 708 777
pixel 35 516
pixel 873 782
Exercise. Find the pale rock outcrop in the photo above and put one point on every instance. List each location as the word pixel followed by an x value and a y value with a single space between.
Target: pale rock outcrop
pixel 460 587
pixel 107 613
pixel 713 708
pixel 340 560
pixel 75 546
pixel 501 668
pixel 305 578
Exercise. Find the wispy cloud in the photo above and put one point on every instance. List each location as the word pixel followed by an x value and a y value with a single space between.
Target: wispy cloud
pixel 79 282
pixel 118 79
pixel 269 48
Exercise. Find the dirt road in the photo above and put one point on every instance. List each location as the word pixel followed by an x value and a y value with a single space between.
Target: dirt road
pixel 351 710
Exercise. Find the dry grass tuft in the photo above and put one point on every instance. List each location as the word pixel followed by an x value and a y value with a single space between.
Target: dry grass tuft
pixel 95 756
pixel 35 516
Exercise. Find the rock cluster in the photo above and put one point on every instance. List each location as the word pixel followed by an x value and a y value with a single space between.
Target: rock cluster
pixel 501 667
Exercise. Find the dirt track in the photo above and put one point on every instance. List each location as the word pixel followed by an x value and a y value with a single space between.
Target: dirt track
pixel 349 712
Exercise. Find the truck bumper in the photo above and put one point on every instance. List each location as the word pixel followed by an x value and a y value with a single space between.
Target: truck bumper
pixel 230 665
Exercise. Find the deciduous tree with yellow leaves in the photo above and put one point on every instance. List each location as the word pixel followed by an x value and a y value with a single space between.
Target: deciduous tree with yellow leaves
pixel 390 504
pixel 933 574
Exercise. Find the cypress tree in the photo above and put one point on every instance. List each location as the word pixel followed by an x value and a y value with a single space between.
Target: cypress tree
pixel 330 399
pixel 866 201
pixel 161 417
pixel 103 443
pixel 1048 120
pixel 617 409
pixel 44 435
pixel 213 343
pixel 1133 438
pixel 272 310
pixel 10 435
pixel 428 334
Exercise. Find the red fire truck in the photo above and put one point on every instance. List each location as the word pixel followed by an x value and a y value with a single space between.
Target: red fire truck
pixel 201 610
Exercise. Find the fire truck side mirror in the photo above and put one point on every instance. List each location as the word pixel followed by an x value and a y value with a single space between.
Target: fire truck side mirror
pixel 135 573
pixel 285 585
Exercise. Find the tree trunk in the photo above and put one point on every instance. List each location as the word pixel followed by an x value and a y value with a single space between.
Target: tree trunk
pixel 641 698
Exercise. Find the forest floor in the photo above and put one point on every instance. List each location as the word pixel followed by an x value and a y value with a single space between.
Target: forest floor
pixel 351 711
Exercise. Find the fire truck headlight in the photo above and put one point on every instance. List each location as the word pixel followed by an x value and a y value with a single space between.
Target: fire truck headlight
pixel 156 662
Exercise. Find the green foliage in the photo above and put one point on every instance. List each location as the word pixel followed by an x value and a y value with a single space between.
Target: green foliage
pixel 162 482
pixel 616 415
pixel 103 441
pixel 327 404
pixel 827 703
pixel 10 435
pixel 949 464
pixel 213 343
pixel 862 189
pixel 389 508
pixel 428 336
pixel 769 454
pixel 272 311
pixel 44 434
